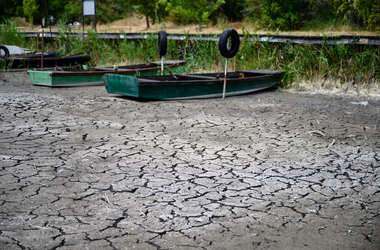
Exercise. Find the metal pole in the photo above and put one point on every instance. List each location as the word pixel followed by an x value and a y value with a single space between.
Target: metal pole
pixel 82 18
pixel 225 79
pixel 95 15
pixel 162 65
pixel 225 73
pixel 42 51
pixel 51 37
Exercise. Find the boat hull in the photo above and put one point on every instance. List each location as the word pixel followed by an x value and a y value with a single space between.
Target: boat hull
pixel 93 77
pixel 166 89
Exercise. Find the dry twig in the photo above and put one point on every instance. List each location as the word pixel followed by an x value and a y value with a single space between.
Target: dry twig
pixel 180 203
pixel 331 143
pixel 316 132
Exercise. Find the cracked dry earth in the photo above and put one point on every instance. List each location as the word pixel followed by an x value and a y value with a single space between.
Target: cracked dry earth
pixel 82 169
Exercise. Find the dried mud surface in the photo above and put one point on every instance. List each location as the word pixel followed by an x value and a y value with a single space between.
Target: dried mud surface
pixel 82 169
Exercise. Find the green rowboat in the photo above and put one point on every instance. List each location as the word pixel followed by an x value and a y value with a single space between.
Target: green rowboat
pixel 93 76
pixel 192 85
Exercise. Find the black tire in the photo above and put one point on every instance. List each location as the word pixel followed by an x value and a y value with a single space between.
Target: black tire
pixel 162 43
pixel 6 52
pixel 234 46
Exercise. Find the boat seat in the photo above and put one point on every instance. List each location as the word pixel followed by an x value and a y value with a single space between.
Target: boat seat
pixel 102 69
pixel 195 77
pixel 148 80
pixel 257 72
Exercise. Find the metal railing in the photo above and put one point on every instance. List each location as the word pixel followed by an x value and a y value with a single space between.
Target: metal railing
pixel 364 40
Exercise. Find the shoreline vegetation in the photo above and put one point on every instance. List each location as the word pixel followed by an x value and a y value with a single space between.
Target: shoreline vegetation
pixel 338 68
pixel 134 24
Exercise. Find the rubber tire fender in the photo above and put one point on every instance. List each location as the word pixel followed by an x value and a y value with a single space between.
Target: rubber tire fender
pixel 234 46
pixel 6 52
pixel 162 43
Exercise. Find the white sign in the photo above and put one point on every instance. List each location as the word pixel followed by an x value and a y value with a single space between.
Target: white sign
pixel 88 7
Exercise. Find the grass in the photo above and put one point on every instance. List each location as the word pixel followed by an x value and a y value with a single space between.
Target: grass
pixel 307 66
pixel 9 34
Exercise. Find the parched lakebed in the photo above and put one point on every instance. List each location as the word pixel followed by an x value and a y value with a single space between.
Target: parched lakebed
pixel 83 169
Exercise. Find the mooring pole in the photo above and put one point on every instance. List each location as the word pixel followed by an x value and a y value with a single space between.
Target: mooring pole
pixel 225 74
pixel 225 80
pixel 42 51
pixel 51 37
pixel 162 65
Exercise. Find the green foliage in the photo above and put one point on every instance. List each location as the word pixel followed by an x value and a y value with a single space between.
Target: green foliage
pixel 149 8
pixel 109 11
pixel 204 55
pixel 9 9
pixel 106 10
pixel 281 14
pixel 274 14
pixel 359 12
pixel 318 13
pixel 188 11
pixel 232 10
pixel 67 10
pixel 253 9
pixel 143 50
pixel 9 34
pixel 30 6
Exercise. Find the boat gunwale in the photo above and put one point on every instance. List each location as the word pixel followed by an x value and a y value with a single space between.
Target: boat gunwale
pixel 38 58
pixel 110 70
pixel 143 81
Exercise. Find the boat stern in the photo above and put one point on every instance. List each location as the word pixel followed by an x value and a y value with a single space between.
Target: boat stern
pixel 122 85
pixel 40 77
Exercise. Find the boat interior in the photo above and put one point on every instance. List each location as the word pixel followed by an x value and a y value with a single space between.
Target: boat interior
pixel 211 76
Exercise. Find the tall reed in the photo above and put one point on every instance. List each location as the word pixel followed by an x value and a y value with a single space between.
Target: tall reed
pixel 9 34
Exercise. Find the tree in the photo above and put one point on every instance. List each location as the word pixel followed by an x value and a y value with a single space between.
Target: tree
pixel 149 8
pixel 30 6
pixel 10 9
pixel 188 11
pixel 253 9
pixel 281 14
pixel 233 9
pixel 359 12
pixel 69 11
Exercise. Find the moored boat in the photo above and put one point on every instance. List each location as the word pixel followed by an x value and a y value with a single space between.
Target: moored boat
pixel 191 86
pixel 93 76
pixel 194 86
pixel 30 61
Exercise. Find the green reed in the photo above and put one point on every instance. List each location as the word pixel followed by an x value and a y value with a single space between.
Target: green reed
pixel 9 34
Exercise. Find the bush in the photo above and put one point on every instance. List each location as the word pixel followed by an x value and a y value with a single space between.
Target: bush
pixel 281 14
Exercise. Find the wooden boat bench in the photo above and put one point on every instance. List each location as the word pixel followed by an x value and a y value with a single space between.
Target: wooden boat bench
pixel 255 72
pixel 197 77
